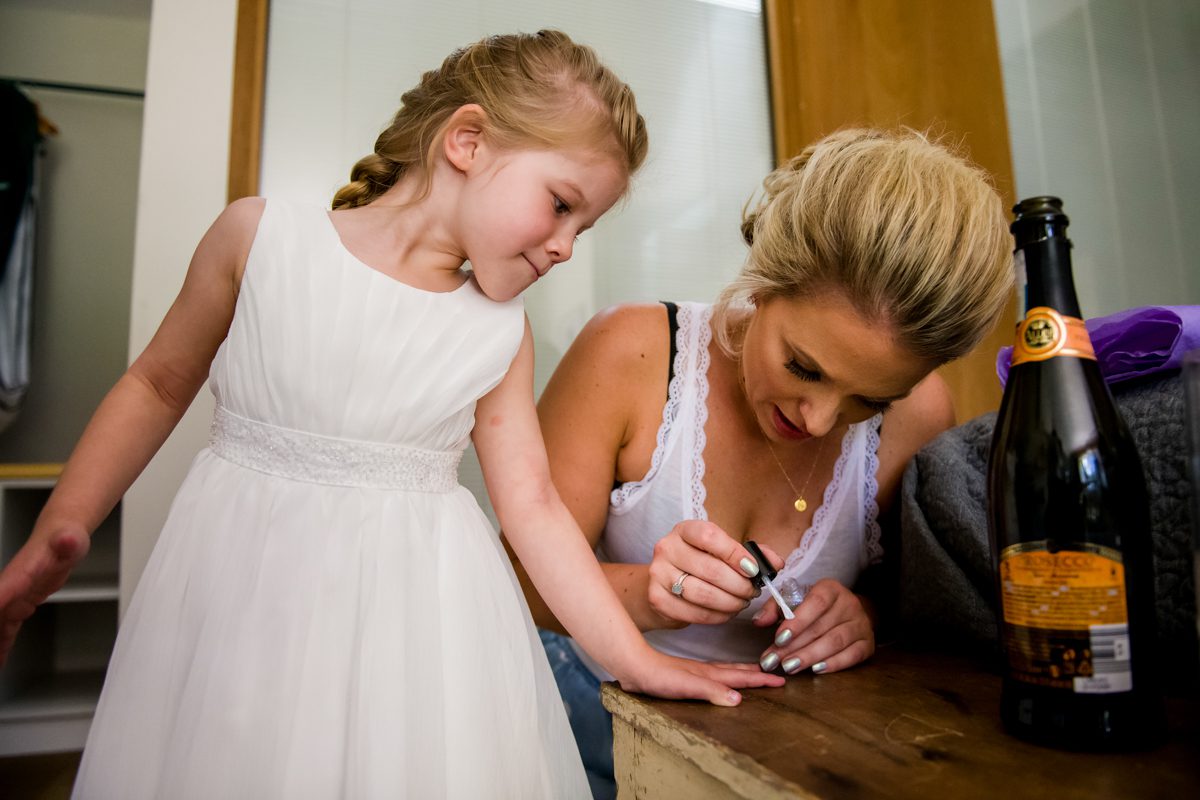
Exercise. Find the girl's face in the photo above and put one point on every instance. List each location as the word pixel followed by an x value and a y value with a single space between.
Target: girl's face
pixel 814 363
pixel 522 210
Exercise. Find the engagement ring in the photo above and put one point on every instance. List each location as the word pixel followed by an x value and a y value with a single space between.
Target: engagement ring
pixel 677 586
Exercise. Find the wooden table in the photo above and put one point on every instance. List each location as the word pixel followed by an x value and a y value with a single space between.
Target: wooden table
pixel 904 725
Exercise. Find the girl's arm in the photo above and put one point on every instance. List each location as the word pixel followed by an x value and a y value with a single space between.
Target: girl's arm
pixel 559 560
pixel 611 381
pixel 600 415
pixel 133 420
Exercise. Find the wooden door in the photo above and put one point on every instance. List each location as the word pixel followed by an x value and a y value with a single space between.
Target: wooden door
pixel 927 64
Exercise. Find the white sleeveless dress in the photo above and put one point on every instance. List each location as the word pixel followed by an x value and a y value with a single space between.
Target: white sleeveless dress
pixel 327 612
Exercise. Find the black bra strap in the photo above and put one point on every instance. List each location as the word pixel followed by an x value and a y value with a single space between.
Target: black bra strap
pixel 673 323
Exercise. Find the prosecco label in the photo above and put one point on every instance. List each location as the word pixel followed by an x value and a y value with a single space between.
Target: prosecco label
pixel 1045 333
pixel 1066 623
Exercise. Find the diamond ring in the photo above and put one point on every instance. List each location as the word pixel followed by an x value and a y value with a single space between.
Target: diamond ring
pixel 677 586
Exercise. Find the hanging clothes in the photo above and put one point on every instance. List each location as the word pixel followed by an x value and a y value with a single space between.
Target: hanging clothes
pixel 19 143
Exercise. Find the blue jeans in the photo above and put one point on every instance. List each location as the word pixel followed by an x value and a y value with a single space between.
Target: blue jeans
pixel 590 722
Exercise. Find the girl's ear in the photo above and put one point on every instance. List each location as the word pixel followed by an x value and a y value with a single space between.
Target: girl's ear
pixel 463 140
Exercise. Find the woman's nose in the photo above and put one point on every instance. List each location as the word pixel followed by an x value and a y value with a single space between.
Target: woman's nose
pixel 821 416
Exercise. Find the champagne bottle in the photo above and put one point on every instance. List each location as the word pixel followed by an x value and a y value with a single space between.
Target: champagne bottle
pixel 1069 523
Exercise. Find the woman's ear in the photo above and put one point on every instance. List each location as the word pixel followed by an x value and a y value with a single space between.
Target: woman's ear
pixel 463 139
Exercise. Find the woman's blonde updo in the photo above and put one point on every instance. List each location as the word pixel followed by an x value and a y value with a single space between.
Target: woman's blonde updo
pixel 910 233
pixel 538 90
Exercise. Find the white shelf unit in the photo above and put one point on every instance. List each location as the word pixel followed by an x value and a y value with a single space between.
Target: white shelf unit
pixel 52 680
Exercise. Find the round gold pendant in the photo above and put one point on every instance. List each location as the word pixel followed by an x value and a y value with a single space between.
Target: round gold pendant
pixel 801 504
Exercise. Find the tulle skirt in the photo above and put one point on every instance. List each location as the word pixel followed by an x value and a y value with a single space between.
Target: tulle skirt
pixel 297 640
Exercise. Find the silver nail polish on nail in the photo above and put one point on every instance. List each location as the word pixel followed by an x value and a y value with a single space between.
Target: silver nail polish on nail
pixel 791 665
pixel 749 567
pixel 820 667
pixel 783 637
pixel 769 661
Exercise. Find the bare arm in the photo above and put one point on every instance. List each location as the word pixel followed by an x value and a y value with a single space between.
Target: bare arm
pixel 607 391
pixel 133 420
pixel 558 559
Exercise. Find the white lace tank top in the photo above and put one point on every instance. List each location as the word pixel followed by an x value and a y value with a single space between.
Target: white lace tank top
pixel 842 541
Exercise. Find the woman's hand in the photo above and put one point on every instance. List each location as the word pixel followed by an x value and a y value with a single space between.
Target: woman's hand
pixel 38 570
pixel 831 632
pixel 713 570
pixel 674 678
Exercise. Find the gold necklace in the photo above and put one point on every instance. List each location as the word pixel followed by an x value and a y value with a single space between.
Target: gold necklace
pixel 801 504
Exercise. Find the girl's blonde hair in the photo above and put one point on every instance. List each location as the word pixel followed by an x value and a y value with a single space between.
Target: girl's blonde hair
pixel 912 234
pixel 537 90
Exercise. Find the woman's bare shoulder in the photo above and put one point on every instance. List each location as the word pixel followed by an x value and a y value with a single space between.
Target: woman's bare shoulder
pixel 624 341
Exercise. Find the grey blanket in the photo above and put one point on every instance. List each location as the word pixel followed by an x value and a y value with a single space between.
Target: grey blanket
pixel 946 589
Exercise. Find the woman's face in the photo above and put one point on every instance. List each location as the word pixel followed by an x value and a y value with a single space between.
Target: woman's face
pixel 810 364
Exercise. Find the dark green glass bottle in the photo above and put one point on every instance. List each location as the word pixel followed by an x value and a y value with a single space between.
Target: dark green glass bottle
pixel 1069 523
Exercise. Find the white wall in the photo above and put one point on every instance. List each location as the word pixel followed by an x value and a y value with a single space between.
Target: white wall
pixel 184 163
pixel 1103 101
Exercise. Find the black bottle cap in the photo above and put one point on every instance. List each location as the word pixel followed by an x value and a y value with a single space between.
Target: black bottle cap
pixel 764 566
pixel 1038 218
pixel 1040 206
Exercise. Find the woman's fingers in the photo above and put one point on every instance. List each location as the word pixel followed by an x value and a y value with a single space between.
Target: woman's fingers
pixel 831 631
pixel 843 646
pixel 702 549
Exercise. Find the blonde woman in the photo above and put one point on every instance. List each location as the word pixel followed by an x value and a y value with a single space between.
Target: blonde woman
pixel 785 413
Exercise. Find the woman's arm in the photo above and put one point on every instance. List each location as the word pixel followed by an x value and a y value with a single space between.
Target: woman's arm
pixel 558 558
pixel 133 420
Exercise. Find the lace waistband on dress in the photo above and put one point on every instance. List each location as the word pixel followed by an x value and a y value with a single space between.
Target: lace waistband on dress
pixel 313 458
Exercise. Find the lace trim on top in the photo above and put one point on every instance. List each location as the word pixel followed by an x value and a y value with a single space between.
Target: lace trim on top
pixel 313 458
pixel 699 493
pixel 817 532
pixel 870 497
pixel 619 500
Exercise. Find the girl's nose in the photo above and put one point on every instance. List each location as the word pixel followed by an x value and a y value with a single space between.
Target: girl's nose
pixel 560 247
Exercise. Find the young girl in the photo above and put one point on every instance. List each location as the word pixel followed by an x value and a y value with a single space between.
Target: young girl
pixel 327 613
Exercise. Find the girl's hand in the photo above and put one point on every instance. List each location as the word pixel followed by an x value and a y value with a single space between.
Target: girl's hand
pixel 831 631
pixel 38 570
pixel 674 678
pixel 718 569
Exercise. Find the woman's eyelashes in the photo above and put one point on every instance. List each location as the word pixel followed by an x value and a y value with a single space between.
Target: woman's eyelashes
pixel 803 373
pixel 812 376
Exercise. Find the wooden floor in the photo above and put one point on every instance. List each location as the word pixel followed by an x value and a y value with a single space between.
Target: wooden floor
pixel 47 777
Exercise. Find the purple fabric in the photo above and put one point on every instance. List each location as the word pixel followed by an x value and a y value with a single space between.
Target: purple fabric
pixel 1135 342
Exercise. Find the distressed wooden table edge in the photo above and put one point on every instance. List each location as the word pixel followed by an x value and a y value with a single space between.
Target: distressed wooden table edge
pixel 741 773
pixel 905 723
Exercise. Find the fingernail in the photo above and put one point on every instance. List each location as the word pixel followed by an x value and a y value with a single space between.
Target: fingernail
pixel 760 614
pixel 820 667
pixel 734 697
pixel 749 567
pixel 783 637
pixel 769 661
pixel 791 665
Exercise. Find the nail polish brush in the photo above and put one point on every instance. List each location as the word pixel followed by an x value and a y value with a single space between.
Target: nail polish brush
pixel 765 573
